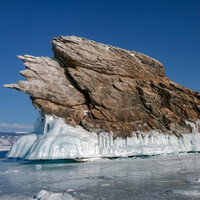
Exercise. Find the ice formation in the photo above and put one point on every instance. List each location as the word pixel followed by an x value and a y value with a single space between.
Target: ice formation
pixel 191 193
pixel 193 180
pixel 45 195
pixel 54 139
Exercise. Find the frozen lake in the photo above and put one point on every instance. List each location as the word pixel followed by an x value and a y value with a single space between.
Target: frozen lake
pixel 162 177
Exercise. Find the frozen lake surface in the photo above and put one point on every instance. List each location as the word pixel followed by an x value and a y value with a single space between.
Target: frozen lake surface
pixel 161 177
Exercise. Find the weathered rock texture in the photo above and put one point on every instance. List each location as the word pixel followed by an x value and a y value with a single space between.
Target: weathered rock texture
pixel 107 88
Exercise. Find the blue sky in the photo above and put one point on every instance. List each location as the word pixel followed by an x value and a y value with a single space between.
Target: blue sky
pixel 168 30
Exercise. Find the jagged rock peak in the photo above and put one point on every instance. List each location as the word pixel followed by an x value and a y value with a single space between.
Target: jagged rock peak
pixel 105 88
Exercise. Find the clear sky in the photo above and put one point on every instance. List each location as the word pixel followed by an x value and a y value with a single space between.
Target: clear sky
pixel 167 30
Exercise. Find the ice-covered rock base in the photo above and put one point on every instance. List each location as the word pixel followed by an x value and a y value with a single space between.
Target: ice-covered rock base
pixel 54 139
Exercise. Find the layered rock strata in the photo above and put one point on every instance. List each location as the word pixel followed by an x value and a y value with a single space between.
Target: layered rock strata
pixel 105 88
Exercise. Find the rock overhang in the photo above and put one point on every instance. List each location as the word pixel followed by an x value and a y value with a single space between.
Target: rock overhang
pixel 121 90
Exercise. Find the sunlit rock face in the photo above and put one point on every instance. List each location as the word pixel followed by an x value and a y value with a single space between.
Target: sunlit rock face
pixel 107 89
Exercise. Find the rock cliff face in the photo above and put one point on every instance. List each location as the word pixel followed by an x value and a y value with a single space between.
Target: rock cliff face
pixel 105 88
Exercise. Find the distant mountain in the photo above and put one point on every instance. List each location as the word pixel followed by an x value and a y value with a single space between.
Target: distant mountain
pixel 7 139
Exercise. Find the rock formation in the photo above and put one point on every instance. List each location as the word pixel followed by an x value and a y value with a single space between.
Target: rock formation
pixel 105 88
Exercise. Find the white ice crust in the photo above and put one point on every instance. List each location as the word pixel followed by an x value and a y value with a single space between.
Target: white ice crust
pixel 45 195
pixel 54 139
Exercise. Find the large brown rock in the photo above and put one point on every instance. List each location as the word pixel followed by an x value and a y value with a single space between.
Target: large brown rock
pixel 105 88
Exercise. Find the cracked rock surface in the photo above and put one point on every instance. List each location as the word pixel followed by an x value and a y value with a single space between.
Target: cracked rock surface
pixel 105 88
